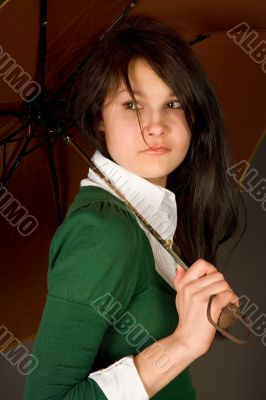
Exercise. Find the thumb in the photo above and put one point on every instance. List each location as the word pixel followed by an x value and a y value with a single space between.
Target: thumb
pixel 180 273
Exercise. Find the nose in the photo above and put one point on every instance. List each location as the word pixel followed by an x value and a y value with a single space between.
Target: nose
pixel 154 124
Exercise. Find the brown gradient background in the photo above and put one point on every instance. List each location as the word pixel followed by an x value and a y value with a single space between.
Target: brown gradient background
pixel 239 82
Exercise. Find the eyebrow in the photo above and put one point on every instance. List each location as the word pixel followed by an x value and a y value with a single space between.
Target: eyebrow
pixel 139 93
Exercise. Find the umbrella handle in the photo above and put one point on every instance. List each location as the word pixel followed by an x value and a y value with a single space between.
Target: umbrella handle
pixel 229 316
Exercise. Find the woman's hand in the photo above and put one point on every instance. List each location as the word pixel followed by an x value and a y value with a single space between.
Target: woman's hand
pixel 194 288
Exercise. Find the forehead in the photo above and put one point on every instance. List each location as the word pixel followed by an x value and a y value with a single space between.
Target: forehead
pixel 143 79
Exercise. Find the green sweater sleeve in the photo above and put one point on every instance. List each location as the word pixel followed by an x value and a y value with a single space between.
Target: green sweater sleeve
pixel 91 254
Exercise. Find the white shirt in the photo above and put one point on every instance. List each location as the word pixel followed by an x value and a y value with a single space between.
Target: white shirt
pixel 120 380
pixel 155 203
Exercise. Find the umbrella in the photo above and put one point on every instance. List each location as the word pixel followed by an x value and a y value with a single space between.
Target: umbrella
pixel 40 173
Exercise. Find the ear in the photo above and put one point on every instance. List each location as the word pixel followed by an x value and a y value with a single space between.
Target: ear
pixel 100 125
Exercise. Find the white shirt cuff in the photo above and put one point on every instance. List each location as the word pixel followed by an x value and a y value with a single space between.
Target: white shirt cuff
pixel 121 381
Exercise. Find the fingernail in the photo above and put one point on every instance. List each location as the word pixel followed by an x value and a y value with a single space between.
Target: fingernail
pixel 176 268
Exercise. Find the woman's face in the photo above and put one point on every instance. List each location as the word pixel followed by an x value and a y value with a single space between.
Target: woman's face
pixel 163 121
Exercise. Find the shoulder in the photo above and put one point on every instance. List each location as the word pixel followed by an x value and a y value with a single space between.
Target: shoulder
pixel 99 215
pixel 93 250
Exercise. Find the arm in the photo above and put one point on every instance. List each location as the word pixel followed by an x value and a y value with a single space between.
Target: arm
pixel 157 370
pixel 84 264
pixel 194 334
pixel 65 347
pixel 88 257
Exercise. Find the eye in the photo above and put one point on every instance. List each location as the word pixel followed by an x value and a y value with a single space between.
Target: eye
pixel 130 105
pixel 174 104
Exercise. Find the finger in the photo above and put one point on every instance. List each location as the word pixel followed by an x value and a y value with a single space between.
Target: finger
pixel 210 278
pixel 214 288
pixel 197 270
pixel 180 273
pixel 222 299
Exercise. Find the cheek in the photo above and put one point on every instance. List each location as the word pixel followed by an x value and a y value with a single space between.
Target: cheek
pixel 182 132
pixel 123 131
pixel 120 138
pixel 184 143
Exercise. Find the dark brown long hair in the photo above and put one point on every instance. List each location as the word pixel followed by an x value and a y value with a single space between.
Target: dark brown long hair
pixel 208 199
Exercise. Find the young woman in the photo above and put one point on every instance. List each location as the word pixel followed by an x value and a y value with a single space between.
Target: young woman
pixel 118 323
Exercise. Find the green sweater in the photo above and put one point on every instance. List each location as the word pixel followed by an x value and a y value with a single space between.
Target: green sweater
pixel 100 253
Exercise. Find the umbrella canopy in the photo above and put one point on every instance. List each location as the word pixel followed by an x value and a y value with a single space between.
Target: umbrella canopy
pixel 239 80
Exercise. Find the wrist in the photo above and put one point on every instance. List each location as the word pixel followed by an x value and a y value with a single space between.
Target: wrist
pixel 182 341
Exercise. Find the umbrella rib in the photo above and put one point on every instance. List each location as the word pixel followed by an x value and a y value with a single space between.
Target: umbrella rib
pixel 41 144
pixel 4 162
pixel 54 175
pixel 20 139
pixel 199 38
pixel 206 35
pixel 15 113
pixel 120 18
pixel 12 134
pixel 78 70
pixel 43 43
pixel 18 159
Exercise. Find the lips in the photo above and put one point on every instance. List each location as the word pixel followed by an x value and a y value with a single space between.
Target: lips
pixel 157 148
